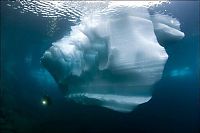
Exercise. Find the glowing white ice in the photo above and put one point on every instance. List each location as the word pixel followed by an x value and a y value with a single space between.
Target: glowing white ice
pixel 112 59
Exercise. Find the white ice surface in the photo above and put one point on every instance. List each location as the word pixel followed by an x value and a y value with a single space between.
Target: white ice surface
pixel 112 59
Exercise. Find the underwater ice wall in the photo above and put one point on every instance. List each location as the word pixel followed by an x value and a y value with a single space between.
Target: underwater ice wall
pixel 112 58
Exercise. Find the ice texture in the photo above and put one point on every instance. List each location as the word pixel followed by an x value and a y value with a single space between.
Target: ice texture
pixel 112 59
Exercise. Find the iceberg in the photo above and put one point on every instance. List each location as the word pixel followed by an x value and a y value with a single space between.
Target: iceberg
pixel 112 59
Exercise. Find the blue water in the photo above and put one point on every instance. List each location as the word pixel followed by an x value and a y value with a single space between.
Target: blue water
pixel 174 107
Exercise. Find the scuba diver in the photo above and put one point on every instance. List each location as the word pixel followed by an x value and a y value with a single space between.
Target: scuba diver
pixel 46 100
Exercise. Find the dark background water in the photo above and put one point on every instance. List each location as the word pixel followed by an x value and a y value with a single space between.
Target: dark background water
pixel 174 107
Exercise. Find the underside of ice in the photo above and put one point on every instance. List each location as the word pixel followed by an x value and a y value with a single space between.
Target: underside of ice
pixel 112 59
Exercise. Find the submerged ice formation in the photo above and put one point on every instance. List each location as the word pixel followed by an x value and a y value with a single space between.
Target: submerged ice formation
pixel 112 59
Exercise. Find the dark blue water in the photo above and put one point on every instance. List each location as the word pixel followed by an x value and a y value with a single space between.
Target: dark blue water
pixel 174 107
